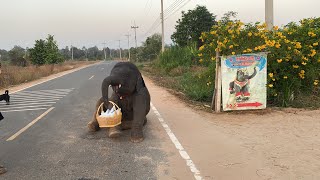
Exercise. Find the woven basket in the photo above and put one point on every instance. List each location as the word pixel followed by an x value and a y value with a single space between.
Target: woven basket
pixel 109 121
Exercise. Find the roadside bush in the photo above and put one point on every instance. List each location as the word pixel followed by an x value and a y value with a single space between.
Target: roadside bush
pixel 293 54
pixel 176 56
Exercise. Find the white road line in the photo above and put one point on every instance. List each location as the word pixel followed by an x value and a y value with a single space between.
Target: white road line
pixel 50 91
pixel 16 110
pixel 91 77
pixel 27 103
pixel 175 141
pixel 34 98
pixel 29 125
pixel 31 101
pixel 20 107
pixel 36 95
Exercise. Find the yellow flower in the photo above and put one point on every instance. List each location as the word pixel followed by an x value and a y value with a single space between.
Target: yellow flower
pixel 213 32
pixel 275 94
pixel 298 45
pixel 312 34
pixel 286 41
pixel 313 52
pixel 289 33
pixel 277 45
pixel 249 50
pixel 285 77
pixel 233 53
pixel 271 85
pixel 208 83
pixel 271 75
pixel 289 48
pixel 201 47
pixel 213 58
pixel 275 28
pixel 304 58
pixel 304 63
pixel 244 51
pixel 279 60
pixel 250 34
pixel 302 71
pixel 256 34
pixel 273 79
pixel 316 82
pixel 295 66
pixel 230 31
pixel 200 54
pixel 315 44
pixel 231 46
pixel 201 60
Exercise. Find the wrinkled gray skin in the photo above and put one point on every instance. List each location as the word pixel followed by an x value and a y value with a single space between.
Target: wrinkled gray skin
pixel 126 82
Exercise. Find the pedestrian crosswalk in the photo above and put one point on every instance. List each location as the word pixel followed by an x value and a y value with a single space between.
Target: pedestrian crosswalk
pixel 33 100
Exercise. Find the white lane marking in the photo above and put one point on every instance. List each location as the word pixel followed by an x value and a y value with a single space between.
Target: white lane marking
pixel 91 77
pixel 62 91
pixel 175 141
pixel 20 107
pixel 36 95
pixel 23 110
pixel 29 125
pixel 20 104
pixel 31 101
pixel 34 98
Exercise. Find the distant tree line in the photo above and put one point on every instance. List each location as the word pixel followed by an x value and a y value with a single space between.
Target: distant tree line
pixel 46 51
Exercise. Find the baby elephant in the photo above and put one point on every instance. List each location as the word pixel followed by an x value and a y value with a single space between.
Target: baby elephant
pixel 131 95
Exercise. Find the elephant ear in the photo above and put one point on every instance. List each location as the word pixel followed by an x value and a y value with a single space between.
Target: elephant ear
pixel 140 84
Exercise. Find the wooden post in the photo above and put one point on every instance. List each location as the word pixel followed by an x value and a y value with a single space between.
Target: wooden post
pixel 216 100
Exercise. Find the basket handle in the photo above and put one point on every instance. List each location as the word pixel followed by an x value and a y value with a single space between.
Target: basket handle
pixel 101 107
pixel 114 104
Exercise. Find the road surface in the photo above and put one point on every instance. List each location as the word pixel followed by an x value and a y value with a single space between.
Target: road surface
pixel 44 136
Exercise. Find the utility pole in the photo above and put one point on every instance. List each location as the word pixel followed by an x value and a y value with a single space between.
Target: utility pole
pixel 162 23
pixel 104 50
pixel 71 52
pixel 128 35
pixel 120 49
pixel 269 13
pixel 135 32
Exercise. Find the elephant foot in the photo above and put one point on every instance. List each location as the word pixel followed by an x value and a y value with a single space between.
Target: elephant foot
pixel 125 125
pixel 93 126
pixel 114 132
pixel 2 170
pixel 136 135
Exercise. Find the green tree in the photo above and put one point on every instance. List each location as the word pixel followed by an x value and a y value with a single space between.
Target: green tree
pixel 191 25
pixel 38 53
pixel 52 51
pixel 16 55
pixel 151 47
pixel 45 52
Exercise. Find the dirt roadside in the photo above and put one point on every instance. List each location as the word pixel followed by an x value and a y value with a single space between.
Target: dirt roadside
pixel 272 144
pixel 19 87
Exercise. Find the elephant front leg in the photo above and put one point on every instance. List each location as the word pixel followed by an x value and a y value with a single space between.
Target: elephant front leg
pixel 139 118
pixel 93 125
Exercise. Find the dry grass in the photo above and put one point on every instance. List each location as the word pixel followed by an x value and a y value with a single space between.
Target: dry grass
pixel 13 75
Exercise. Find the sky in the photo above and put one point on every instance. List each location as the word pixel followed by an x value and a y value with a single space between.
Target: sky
pixel 93 22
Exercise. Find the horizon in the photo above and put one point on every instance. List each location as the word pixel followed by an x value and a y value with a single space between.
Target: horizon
pixel 91 23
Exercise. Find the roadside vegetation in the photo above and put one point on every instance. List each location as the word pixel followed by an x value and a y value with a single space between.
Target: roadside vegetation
pixel 20 65
pixel 293 57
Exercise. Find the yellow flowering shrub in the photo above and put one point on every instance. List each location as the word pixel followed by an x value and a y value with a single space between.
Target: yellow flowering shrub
pixel 293 53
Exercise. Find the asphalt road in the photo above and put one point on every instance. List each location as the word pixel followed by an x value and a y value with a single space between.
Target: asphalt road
pixel 57 145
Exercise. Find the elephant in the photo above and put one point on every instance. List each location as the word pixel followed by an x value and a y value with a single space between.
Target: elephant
pixel 131 94
pixel 240 86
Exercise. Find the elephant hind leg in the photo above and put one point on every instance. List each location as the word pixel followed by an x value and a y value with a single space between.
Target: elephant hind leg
pixel 125 125
pixel 93 125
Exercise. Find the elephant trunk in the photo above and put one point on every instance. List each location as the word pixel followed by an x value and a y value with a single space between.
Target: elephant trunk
pixel 110 80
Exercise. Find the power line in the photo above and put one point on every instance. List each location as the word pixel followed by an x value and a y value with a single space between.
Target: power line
pixel 178 9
